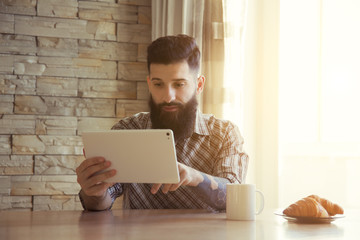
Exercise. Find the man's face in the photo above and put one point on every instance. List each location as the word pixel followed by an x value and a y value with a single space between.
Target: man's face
pixel 173 83
pixel 173 101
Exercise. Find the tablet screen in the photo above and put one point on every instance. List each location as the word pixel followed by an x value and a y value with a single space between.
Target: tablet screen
pixel 139 156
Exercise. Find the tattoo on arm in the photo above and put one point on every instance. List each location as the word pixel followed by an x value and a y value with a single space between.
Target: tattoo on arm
pixel 213 191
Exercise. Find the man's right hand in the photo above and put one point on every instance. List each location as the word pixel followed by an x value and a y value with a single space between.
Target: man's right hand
pixel 91 181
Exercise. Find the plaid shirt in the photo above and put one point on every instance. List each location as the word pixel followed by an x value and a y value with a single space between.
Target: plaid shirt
pixel 214 148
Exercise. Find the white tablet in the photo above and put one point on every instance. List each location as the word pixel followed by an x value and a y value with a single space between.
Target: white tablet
pixel 139 156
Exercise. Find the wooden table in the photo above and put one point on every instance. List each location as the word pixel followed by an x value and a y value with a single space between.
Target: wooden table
pixel 166 224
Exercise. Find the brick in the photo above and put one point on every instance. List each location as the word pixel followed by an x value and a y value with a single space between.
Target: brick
pixel 28 144
pixel 62 106
pixel 15 203
pixel 16 165
pixel 144 16
pixel 5 144
pixel 4 161
pixel 44 185
pixel 59 47
pixel 54 27
pixel 142 91
pixel 30 105
pixel 79 67
pixel 135 33
pixel 5 185
pixel 108 1
pixel 13 84
pixel 24 7
pixel 102 30
pixel 107 50
pixel 103 11
pixel 64 67
pixel 136 2
pixel 98 88
pixel 17 124
pixel 132 71
pixel 6 64
pixel 126 108
pixel 56 125
pixel 57 86
pixel 142 52
pixel 6 23
pixel 6 104
pixel 55 8
pixel 5 203
pixel 56 203
pixel 17 44
pixel 44 144
pixel 57 164
pixel 28 65
pixel 94 124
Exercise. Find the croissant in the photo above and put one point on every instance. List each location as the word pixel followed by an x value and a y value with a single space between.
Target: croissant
pixel 306 207
pixel 330 207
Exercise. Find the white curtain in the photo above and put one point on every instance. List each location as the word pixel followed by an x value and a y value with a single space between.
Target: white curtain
pixel 171 17
pixel 234 15
pixel 218 27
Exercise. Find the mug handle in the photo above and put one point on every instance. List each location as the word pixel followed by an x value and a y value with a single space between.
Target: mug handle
pixel 262 202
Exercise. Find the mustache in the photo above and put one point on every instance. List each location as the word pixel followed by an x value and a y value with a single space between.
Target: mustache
pixel 169 104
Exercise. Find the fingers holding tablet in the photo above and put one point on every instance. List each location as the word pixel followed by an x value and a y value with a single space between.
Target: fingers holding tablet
pixel 91 175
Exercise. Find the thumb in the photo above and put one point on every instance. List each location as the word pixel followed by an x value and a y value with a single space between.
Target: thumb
pixel 155 188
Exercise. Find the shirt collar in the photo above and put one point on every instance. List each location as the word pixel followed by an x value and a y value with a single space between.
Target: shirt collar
pixel 201 127
pixel 148 123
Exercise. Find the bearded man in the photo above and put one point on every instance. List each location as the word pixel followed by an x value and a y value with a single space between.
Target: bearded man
pixel 209 150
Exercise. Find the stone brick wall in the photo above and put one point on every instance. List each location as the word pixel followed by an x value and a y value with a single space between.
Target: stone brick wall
pixel 66 66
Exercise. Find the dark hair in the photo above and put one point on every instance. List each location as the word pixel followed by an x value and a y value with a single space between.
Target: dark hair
pixel 173 49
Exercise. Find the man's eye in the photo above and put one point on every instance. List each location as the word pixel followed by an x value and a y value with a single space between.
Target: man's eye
pixel 180 84
pixel 157 84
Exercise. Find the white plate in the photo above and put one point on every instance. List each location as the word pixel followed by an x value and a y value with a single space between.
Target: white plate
pixel 310 219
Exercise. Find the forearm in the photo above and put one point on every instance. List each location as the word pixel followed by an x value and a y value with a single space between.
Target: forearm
pixel 213 191
pixel 96 203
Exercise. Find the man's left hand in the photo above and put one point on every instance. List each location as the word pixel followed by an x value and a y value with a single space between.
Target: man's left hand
pixel 188 177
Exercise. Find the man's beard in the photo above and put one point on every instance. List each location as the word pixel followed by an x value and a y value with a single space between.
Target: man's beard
pixel 181 122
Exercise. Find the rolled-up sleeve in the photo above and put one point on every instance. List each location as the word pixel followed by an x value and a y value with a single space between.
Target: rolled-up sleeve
pixel 116 191
pixel 232 162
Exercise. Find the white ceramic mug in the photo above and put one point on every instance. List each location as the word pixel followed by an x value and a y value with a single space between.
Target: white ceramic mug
pixel 241 201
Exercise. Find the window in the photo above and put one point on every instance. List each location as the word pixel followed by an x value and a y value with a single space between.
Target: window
pixel 319 143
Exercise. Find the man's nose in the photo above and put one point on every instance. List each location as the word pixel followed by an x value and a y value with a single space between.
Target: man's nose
pixel 169 95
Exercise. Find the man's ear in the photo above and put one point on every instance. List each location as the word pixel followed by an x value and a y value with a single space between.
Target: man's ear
pixel 200 83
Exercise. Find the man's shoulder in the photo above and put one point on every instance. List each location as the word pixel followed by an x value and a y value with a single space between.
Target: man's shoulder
pixel 137 121
pixel 222 129
pixel 213 122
